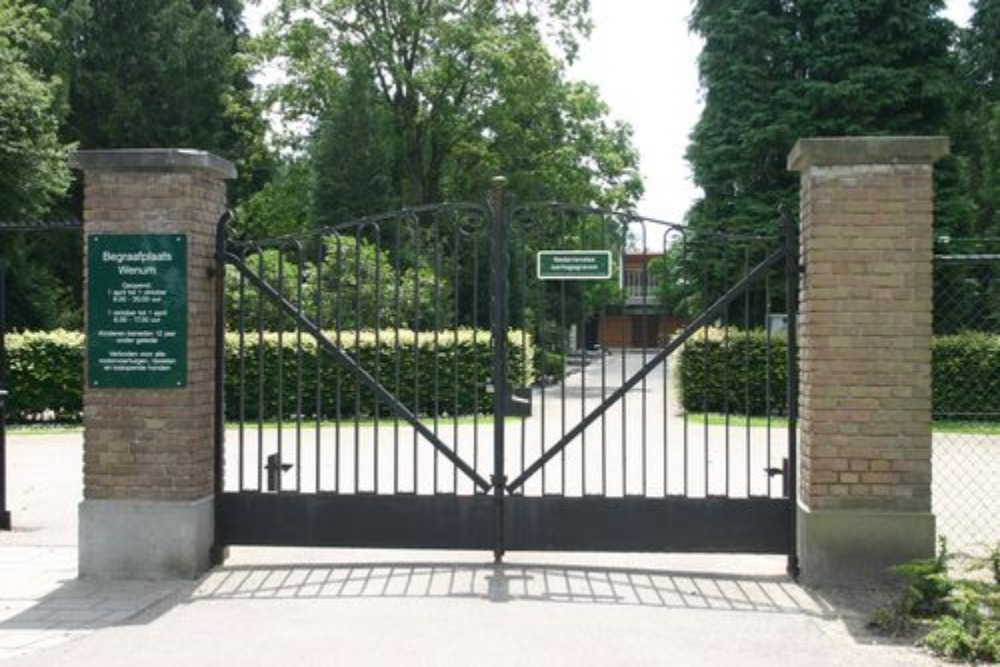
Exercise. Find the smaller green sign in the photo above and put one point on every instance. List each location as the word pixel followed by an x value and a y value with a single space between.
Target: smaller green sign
pixel 574 264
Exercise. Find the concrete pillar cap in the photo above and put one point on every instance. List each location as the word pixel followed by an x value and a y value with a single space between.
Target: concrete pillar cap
pixel 152 159
pixel 846 151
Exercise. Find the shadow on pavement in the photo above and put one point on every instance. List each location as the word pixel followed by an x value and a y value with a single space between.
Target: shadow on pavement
pixel 521 582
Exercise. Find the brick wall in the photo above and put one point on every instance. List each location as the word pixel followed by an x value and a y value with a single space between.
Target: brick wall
pixel 865 330
pixel 157 444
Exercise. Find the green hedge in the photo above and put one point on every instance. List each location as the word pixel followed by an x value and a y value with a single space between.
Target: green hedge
pixel 46 374
pixel 703 373
pixel 463 368
pixel 966 374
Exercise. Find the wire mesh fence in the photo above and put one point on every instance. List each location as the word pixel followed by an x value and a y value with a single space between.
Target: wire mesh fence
pixel 966 348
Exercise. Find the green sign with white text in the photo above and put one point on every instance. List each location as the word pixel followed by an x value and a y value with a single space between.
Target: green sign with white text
pixel 574 264
pixel 137 310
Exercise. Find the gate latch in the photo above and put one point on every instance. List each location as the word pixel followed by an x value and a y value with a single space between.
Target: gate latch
pixel 274 469
pixel 774 472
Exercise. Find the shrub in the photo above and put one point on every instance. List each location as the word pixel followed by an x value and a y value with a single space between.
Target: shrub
pixel 964 615
pixel 451 381
pixel 46 376
pixel 704 373
pixel 46 373
pixel 965 374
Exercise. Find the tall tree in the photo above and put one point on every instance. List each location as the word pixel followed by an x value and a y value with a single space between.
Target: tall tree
pixel 773 71
pixel 440 75
pixel 33 171
pixel 151 73
pixel 777 70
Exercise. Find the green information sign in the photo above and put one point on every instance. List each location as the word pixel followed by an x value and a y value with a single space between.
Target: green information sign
pixel 574 264
pixel 137 310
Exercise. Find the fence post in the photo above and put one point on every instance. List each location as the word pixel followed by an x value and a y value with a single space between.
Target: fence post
pixel 150 220
pixel 498 320
pixel 4 512
pixel 867 210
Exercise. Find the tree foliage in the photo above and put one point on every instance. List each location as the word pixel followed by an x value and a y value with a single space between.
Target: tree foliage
pixel 417 102
pixel 33 171
pixel 777 70
pixel 166 73
pixel 774 71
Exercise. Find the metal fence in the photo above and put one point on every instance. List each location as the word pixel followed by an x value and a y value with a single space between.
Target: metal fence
pixel 966 445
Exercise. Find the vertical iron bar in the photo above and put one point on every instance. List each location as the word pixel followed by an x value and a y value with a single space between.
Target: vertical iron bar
pixel 644 290
pixel 624 363
pixel 563 335
pixel 437 341
pixel 603 321
pixel 4 512
pixel 281 370
pixel 357 359
pixel 218 551
pixel 540 342
pixel 726 350
pixel 792 381
pixel 582 333
pixel 416 349
pixel 746 367
pixel 525 380
pixel 338 318
pixel 299 261
pixel 457 280
pixel 706 368
pixel 378 352
pixel 243 370
pixel 318 296
pixel 261 274
pixel 768 376
pixel 397 279
pixel 475 352
pixel 498 301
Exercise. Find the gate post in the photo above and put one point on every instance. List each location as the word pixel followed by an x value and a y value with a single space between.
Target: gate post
pixel 867 212
pixel 148 407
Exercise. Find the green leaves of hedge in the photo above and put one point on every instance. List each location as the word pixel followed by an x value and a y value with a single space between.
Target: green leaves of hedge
pixel 731 374
pixel 443 374
pixel 966 374
pixel 46 374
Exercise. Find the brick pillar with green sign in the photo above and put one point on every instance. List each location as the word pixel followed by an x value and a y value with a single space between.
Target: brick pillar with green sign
pixel 150 220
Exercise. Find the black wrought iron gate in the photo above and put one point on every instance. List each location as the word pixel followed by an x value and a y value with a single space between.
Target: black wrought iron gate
pixel 416 380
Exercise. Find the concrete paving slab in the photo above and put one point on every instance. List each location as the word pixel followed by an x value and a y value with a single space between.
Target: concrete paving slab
pixel 370 607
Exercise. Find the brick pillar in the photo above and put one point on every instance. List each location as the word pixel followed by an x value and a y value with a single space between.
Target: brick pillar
pixel 148 438
pixel 867 212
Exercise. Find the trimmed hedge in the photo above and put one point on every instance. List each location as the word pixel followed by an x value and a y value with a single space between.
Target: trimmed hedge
pixel 966 374
pixel 703 373
pixel 462 369
pixel 46 374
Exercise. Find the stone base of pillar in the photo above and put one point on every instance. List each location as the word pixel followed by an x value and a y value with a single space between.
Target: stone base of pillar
pixel 142 539
pixel 857 547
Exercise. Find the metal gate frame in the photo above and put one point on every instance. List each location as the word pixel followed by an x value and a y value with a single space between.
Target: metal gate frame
pixel 498 517
pixel 7 227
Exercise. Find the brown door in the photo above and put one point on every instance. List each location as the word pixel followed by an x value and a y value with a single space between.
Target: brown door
pixel 644 330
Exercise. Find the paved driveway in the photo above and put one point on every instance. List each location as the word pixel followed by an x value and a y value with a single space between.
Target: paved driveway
pixel 358 607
